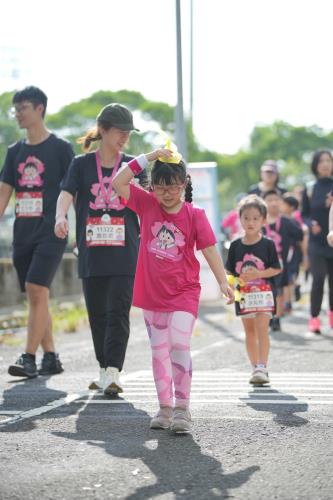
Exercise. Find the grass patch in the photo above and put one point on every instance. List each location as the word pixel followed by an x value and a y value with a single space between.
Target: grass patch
pixel 67 317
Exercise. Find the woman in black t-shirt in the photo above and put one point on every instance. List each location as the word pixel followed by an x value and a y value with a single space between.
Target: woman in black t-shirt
pixel 269 175
pixel 316 203
pixel 107 235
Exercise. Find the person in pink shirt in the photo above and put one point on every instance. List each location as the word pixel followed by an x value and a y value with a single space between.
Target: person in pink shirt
pixel 167 283
pixel 230 224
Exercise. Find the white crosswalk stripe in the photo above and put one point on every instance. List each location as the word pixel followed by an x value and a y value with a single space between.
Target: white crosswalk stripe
pixel 217 387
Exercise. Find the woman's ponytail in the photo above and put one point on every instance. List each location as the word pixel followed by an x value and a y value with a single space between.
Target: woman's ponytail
pixel 91 136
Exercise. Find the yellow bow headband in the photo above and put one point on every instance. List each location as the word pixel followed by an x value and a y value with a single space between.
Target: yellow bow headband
pixel 175 158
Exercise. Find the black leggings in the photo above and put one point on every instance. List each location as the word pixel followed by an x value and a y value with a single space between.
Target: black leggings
pixel 320 268
pixel 108 300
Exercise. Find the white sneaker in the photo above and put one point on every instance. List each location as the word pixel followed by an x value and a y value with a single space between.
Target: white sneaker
pixel 98 383
pixel 162 419
pixel 181 421
pixel 112 385
pixel 259 377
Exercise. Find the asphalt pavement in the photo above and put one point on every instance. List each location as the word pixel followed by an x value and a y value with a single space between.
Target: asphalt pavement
pixel 60 441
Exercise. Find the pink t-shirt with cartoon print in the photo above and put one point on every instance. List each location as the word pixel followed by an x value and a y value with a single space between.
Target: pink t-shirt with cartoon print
pixel 167 274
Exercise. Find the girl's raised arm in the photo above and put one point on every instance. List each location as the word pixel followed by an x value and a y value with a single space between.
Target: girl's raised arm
pixel 123 178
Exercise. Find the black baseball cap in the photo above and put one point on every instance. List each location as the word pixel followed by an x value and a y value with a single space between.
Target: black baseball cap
pixel 117 116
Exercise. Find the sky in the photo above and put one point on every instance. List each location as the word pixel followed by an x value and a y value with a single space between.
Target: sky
pixel 254 61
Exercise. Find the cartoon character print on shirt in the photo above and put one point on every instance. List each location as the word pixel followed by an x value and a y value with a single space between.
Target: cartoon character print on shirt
pixel 167 242
pixel 249 262
pixel 31 170
pixel 113 200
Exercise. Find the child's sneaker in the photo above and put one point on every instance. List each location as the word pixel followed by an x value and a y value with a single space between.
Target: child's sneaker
pixel 314 325
pixel 298 294
pixel 112 385
pixel 330 317
pixel 162 419
pixel 259 376
pixel 275 324
pixel 98 383
pixel 181 421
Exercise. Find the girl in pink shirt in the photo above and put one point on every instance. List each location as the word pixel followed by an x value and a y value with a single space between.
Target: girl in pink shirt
pixel 167 285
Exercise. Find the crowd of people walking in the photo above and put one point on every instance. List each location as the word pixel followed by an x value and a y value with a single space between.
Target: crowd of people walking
pixel 136 238
pixel 298 223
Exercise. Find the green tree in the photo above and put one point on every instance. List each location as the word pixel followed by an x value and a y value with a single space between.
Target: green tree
pixel 73 120
pixel 9 133
pixel 290 146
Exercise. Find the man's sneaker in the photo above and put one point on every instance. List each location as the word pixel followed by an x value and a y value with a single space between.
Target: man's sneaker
pixel 25 366
pixel 275 324
pixel 330 318
pixel 314 325
pixel 259 376
pixel 162 419
pixel 112 385
pixel 98 383
pixel 51 364
pixel 181 421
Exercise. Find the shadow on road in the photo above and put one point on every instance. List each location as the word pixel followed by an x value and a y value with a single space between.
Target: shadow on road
pixel 176 462
pixel 283 414
pixel 27 394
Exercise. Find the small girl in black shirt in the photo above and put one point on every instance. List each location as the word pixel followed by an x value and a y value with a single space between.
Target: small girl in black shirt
pixel 253 262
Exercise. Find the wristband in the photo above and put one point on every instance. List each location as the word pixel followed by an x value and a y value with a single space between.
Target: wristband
pixel 138 164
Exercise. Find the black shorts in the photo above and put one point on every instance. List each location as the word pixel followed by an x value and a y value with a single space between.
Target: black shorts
pixel 37 263
pixel 281 280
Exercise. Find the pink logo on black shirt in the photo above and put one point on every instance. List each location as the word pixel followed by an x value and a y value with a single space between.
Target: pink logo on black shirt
pixel 167 241
pixel 31 171
pixel 249 262
pixel 101 202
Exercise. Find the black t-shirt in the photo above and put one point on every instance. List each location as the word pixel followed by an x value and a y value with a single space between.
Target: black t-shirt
pixel 37 170
pixel 82 182
pixel 314 208
pixel 285 233
pixel 256 189
pixel 261 255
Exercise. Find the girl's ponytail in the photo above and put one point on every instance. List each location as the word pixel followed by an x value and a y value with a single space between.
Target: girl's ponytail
pixel 91 136
pixel 188 189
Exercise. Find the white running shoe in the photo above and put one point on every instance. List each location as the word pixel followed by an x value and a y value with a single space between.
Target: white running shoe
pixel 112 385
pixel 259 377
pixel 162 419
pixel 181 421
pixel 98 383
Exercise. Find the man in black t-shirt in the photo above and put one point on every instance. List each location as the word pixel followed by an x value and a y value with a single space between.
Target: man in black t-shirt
pixel 34 168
